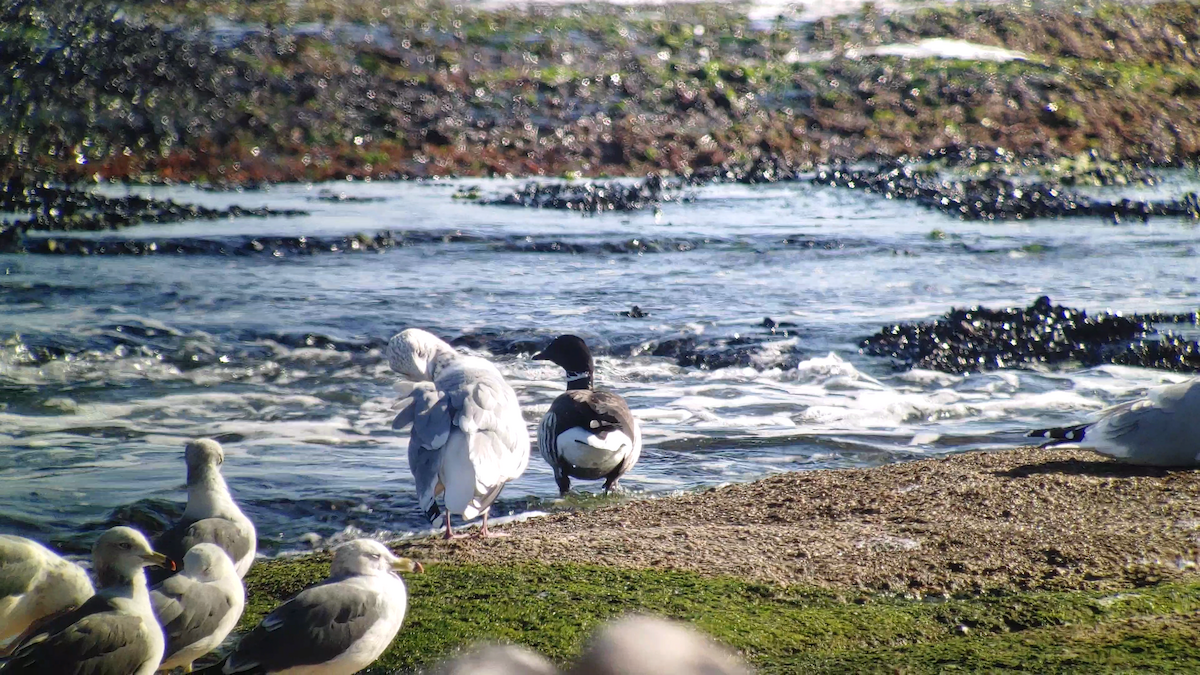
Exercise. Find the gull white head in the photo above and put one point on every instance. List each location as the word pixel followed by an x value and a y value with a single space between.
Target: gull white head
pixel 369 557
pixel 207 562
pixel 203 455
pixel 120 554
pixel 412 353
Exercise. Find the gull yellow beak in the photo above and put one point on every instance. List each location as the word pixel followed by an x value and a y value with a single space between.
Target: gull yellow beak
pixel 156 558
pixel 406 565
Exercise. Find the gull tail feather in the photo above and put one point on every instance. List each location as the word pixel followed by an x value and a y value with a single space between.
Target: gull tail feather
pixel 1060 435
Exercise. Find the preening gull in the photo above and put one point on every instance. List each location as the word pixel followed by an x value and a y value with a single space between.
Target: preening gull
pixel 35 584
pixel 587 433
pixel 211 515
pixel 112 633
pixel 497 660
pixel 199 606
pixel 1160 429
pixel 337 627
pixel 468 438
pixel 643 645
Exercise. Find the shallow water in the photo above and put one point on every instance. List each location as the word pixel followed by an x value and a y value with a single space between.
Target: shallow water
pixel 277 356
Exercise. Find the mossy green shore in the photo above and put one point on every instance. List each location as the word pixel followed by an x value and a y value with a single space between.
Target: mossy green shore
pixel 780 629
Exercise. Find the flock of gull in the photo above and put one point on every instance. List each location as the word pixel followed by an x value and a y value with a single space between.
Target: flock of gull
pixel 467 440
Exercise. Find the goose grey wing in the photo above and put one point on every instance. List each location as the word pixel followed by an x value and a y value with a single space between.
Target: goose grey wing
pixel 314 627
pixel 94 639
pixel 188 611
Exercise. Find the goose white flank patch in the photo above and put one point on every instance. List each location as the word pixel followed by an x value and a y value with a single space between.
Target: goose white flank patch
pixel 587 433
pixel 35 584
pixel 211 516
pixel 468 438
pixel 198 607
pixel 112 633
pixel 337 627
pixel 1160 429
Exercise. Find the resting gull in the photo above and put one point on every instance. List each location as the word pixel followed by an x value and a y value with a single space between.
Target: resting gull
pixel 643 645
pixel 199 606
pixel 211 515
pixel 468 438
pixel 35 584
pixel 1160 429
pixel 587 433
pixel 114 632
pixel 337 627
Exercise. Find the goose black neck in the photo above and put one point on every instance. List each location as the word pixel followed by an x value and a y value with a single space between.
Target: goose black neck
pixel 579 380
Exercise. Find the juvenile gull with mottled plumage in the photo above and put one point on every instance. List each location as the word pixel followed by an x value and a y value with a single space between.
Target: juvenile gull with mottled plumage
pixel 199 606
pixel 35 584
pixel 114 632
pixel 337 627
pixel 1160 429
pixel 211 515
pixel 468 438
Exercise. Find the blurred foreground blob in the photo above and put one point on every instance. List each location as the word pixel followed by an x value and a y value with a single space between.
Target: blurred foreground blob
pixel 498 660
pixel 646 645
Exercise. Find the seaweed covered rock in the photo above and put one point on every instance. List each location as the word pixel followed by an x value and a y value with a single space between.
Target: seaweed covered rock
pixel 55 208
pixel 998 197
pixel 592 197
pixel 977 339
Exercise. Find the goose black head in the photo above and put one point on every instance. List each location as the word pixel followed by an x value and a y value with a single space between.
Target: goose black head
pixel 572 354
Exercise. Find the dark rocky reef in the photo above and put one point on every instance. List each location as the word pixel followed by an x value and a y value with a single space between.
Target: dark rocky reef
pixel 978 339
pixel 687 350
pixel 593 197
pixel 997 197
pixel 63 209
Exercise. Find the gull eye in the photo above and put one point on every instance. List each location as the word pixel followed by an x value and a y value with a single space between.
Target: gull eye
pixel 125 545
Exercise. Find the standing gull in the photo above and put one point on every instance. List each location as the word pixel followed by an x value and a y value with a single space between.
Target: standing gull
pixel 1160 429
pixel 35 584
pixel 587 433
pixel 468 437
pixel 112 633
pixel 211 515
pixel 337 627
pixel 198 607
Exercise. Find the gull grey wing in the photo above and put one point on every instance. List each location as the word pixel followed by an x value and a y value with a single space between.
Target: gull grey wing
pixel 188 611
pixel 224 533
pixel 316 626
pixel 17 569
pixel 420 397
pixel 91 640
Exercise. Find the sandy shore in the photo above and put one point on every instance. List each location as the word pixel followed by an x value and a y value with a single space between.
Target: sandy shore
pixel 1020 519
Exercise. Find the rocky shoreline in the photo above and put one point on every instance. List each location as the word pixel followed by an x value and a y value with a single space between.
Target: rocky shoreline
pixel 161 92
pixel 1018 561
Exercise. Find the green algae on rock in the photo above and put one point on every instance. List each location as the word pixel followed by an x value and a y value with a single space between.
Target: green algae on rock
pixel 780 629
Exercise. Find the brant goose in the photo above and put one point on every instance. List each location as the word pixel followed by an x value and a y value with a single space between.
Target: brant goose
pixel 468 437
pixel 587 433
pixel 1159 429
